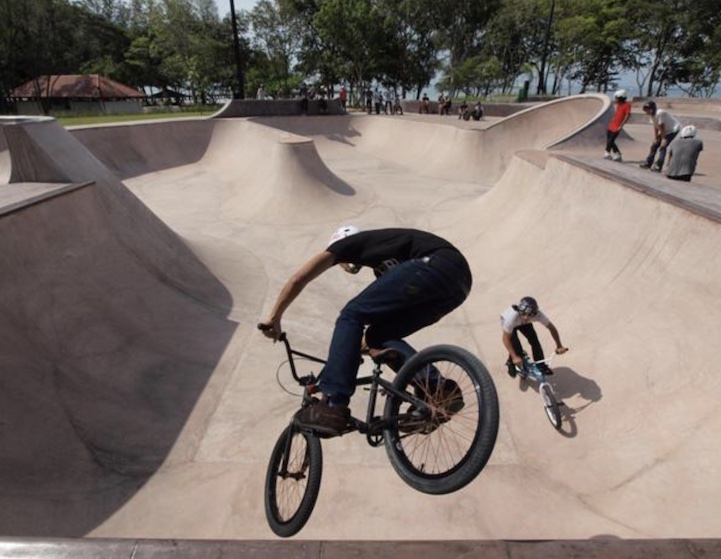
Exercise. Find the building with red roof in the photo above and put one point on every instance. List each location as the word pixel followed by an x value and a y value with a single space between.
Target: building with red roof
pixel 76 93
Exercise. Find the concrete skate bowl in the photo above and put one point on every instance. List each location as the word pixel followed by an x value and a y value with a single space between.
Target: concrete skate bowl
pixel 455 153
pixel 624 276
pixel 110 332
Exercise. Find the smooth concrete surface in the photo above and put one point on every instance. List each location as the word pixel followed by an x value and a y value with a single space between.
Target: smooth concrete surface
pixel 140 403
pixel 449 549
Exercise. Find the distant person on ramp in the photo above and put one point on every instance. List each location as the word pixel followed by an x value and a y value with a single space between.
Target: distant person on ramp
pixel 620 117
pixel 683 155
pixel 519 319
pixel 420 278
pixel 665 128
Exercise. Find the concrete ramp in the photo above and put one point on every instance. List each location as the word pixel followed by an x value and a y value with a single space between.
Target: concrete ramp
pixel 106 345
pixel 274 174
pixel 431 145
pixel 43 151
pixel 629 280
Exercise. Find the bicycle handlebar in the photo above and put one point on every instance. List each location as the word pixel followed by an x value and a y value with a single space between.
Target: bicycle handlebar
pixel 547 361
pixel 283 337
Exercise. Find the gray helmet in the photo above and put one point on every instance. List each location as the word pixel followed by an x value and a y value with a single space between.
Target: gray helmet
pixel 528 306
pixel 650 105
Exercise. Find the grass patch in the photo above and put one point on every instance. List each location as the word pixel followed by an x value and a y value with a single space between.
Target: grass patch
pixel 112 119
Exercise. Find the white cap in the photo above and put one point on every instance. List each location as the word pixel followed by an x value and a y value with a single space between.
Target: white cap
pixel 620 93
pixel 342 233
pixel 688 131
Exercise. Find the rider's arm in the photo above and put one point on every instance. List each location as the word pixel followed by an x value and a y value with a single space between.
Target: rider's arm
pixel 556 338
pixel 293 287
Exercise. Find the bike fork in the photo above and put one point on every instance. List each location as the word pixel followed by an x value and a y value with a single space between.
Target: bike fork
pixel 286 452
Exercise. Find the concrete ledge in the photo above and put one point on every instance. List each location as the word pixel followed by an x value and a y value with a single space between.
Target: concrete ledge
pixel 240 108
pixel 601 548
pixel 16 196
pixel 698 199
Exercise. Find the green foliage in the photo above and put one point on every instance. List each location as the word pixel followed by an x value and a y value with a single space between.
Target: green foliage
pixel 481 46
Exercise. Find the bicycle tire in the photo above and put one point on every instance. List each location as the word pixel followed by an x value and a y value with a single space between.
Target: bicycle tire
pixel 446 453
pixel 290 499
pixel 550 405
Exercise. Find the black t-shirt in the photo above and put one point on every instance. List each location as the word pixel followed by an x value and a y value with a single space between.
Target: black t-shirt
pixel 382 248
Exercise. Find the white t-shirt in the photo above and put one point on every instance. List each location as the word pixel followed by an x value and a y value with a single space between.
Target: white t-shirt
pixel 512 319
pixel 671 123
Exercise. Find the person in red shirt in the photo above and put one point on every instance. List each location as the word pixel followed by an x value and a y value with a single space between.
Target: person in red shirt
pixel 621 116
pixel 343 96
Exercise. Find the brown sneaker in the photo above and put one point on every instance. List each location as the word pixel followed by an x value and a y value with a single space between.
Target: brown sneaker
pixel 327 421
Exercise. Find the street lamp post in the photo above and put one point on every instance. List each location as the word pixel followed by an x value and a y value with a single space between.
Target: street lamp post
pixel 239 93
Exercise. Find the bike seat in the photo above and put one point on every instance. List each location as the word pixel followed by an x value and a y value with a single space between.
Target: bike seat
pixel 387 355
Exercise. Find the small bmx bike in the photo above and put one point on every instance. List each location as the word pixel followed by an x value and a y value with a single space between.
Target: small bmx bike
pixel 435 441
pixel 530 370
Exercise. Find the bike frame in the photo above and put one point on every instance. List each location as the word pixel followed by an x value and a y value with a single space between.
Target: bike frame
pixel 530 369
pixel 373 425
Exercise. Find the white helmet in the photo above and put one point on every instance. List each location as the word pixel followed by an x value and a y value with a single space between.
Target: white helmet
pixel 688 131
pixel 342 233
pixel 620 94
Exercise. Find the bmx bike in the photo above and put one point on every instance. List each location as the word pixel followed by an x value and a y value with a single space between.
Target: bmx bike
pixel 551 405
pixel 433 444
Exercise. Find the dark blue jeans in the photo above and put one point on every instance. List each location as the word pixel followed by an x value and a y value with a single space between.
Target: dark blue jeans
pixel 656 147
pixel 408 297
pixel 611 141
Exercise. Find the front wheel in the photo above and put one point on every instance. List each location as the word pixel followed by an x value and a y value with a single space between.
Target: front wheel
pixel 447 448
pixel 550 405
pixel 292 482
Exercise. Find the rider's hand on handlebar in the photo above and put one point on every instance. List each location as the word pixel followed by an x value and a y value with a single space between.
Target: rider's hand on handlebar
pixel 271 329
pixel 561 350
pixel 517 361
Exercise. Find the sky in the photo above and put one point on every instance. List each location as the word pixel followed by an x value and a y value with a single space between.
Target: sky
pixel 224 5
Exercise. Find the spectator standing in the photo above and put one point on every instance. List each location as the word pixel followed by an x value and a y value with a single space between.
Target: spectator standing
pixel 441 104
pixel 260 94
pixel 425 104
pixel 377 100
pixel 388 101
pixel 303 98
pixel 620 117
pixel 683 155
pixel 343 97
pixel 665 128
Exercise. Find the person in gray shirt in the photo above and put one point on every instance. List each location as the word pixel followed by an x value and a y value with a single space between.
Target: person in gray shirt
pixel 683 155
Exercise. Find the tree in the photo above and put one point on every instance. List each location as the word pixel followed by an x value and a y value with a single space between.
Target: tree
pixel 276 34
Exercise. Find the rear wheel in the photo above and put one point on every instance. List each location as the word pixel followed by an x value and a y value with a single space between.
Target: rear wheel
pixel 292 481
pixel 550 405
pixel 447 449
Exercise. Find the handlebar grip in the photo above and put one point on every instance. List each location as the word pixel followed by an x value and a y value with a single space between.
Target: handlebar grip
pixel 264 328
